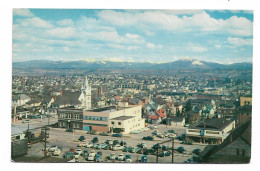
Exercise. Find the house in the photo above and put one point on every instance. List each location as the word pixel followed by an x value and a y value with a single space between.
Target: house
pixel 236 148
pixel 245 100
pixel 20 99
pixel 212 131
pixel 177 120
pixel 67 98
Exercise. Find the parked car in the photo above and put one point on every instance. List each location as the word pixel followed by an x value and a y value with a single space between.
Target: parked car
pixel 136 132
pixel 197 151
pixel 181 137
pixel 109 142
pixel 155 132
pixel 98 158
pixel 155 146
pixel 160 135
pixel 188 142
pixel 76 155
pixel 150 138
pixel 26 121
pixel 172 135
pixel 112 156
pixel 85 153
pixel 81 138
pixel 56 152
pixel 117 135
pixel 104 134
pixel 149 151
pixel 90 145
pixel 106 147
pixel 186 125
pixel 115 142
pixel 120 157
pixel 131 150
pixel 123 143
pixel 117 147
pixel 171 131
pixel 69 130
pixel 143 159
pixel 165 153
pixel 142 145
pixel 52 148
pixel 139 151
pixel 165 148
pixel 79 151
pixel 95 140
pixel 128 158
pixel 91 156
pixel 82 144
pixel 68 155
pixel 180 149
pixel 125 149
pixel 99 153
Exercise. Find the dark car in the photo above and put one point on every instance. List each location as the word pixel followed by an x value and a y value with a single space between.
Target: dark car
pixel 106 147
pixel 125 149
pixel 150 138
pixel 171 131
pixel 69 130
pixel 82 138
pixel 144 159
pixel 99 153
pixel 117 135
pixel 104 134
pixel 68 155
pixel 196 151
pixel 181 137
pixel 98 158
pixel 131 150
pixel 165 148
pixel 85 153
pixel 108 142
pixel 188 142
pixel 180 149
pixel 139 151
pixel 95 140
pixel 115 142
pixel 155 146
pixel 123 143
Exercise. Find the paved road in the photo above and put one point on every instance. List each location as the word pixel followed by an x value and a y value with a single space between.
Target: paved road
pixel 67 140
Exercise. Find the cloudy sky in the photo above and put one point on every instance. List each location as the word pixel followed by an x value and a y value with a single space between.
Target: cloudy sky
pixel 132 35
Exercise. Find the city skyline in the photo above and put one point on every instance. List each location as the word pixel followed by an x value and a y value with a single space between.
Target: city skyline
pixel 222 36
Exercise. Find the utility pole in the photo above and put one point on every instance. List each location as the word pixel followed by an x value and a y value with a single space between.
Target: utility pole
pixel 172 150
pixel 157 155
pixel 45 142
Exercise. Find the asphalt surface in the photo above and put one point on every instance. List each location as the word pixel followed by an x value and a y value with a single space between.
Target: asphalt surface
pixel 68 140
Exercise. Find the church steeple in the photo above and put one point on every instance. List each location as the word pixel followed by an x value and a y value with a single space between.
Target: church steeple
pixel 85 97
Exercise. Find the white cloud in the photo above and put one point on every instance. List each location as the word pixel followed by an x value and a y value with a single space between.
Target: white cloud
pixel 150 45
pixel 218 46
pixel 240 41
pixel 34 22
pixel 23 12
pixel 64 33
pixel 65 22
pixel 171 22
pixel 197 49
pixel 66 49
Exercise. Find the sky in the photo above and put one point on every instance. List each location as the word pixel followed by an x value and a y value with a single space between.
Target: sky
pixel 157 36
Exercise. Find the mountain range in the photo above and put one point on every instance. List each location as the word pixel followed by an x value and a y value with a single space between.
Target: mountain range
pixel 182 64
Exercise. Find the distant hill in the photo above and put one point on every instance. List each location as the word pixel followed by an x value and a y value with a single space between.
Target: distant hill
pixel 183 64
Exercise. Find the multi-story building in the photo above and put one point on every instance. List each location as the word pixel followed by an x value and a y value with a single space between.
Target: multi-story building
pixel 212 131
pixel 123 118
pixel 70 118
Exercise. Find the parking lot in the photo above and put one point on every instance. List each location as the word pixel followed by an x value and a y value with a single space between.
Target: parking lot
pixel 68 140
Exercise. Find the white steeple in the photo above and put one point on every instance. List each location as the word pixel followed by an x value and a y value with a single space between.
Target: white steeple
pixel 85 96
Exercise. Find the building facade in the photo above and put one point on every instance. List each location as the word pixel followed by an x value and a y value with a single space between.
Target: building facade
pixel 123 118
pixel 70 119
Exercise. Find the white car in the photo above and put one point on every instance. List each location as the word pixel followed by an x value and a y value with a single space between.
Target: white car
pixel 112 156
pixel 79 151
pixel 117 147
pixel 89 145
pixel 76 155
pixel 160 135
pixel 56 152
pixel 52 148
pixel 172 135
pixel 91 156
pixel 121 157
pixel 155 126
pixel 82 144
pixel 144 145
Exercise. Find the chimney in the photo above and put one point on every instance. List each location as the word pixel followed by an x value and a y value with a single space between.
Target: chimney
pixel 55 98
pixel 60 93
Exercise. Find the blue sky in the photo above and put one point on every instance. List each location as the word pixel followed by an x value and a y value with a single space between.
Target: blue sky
pixel 157 36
